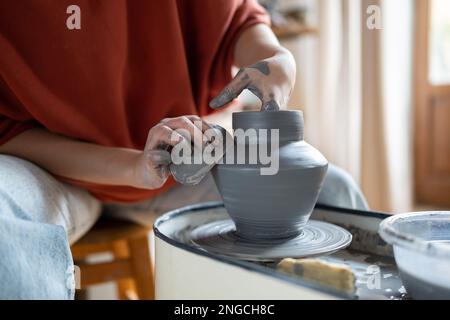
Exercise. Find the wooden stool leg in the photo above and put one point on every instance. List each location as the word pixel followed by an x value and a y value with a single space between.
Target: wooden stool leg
pixel 126 289
pixel 142 267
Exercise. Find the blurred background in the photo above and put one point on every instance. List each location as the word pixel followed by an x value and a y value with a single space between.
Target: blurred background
pixel 373 81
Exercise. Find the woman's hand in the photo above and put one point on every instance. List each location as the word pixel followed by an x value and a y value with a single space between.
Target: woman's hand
pixel 271 80
pixel 152 166
pixel 267 69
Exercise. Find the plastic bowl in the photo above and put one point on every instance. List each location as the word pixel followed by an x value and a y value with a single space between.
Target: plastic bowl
pixel 421 242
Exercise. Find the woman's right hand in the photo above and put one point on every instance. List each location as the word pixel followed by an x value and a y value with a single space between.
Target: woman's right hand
pixel 152 166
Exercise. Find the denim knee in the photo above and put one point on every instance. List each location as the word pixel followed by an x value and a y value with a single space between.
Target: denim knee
pixel 340 190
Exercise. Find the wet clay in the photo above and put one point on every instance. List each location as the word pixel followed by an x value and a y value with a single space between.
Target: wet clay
pixel 262 66
pixel 273 206
pixel 270 105
pixel 192 174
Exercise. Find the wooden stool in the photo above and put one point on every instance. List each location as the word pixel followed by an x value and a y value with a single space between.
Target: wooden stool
pixel 131 267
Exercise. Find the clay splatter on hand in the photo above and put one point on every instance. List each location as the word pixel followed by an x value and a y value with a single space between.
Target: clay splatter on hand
pixel 271 105
pixel 223 98
pixel 245 77
pixel 244 81
pixel 262 66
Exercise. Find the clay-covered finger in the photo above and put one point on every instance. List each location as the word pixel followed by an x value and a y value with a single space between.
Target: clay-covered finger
pixel 231 91
pixel 270 103
pixel 269 100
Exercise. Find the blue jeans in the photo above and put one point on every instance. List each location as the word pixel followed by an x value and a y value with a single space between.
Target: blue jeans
pixel 40 217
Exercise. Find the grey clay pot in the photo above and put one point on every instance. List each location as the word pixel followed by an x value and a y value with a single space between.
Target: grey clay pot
pixel 272 206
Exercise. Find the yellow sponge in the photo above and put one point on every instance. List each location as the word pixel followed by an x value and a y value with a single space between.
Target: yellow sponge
pixel 333 275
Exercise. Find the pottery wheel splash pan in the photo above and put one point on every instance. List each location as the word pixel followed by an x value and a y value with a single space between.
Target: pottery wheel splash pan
pixel 182 265
pixel 317 238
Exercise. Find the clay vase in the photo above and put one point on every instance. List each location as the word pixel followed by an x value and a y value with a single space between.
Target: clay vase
pixel 272 206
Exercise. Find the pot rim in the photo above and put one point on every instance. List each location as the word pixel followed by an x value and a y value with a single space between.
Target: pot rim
pixel 289 123
pixel 268 114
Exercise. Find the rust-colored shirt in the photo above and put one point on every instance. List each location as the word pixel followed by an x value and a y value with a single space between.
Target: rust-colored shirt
pixel 130 65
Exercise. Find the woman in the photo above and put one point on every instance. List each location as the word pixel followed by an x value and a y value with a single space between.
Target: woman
pixel 84 113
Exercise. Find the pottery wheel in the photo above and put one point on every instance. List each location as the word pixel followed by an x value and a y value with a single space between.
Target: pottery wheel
pixel 317 238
